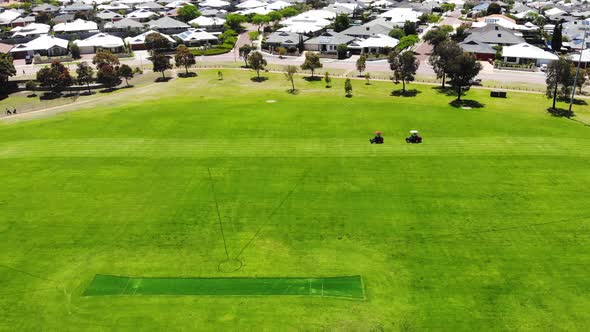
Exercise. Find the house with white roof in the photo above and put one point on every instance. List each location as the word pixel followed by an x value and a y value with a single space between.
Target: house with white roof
pixel 327 42
pixel 168 25
pixel 178 4
pixel 78 25
pixel 249 4
pixel 107 15
pixel 278 5
pixel 525 53
pixel 214 4
pixel 7 16
pixel 138 42
pixel 197 37
pixel 101 41
pixel 141 15
pixel 31 30
pixel 115 6
pixel 44 45
pixel 584 60
pixel 208 23
pixel 377 44
pixel 304 23
pixel 401 15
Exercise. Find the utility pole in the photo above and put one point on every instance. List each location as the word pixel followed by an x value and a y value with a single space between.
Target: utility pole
pixel 585 23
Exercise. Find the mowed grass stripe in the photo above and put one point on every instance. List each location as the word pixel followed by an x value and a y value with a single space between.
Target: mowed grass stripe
pixel 204 148
pixel 350 287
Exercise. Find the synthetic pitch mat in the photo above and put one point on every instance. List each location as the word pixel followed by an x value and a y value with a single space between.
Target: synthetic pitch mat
pixel 350 287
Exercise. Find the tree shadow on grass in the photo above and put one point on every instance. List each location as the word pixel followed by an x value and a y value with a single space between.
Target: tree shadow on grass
pixel 560 112
pixel 407 93
pixel 163 79
pixel 50 96
pixel 293 92
pixel 466 104
pixel 259 79
pixel 32 95
pixel 576 101
pixel 447 90
pixel 187 75
pixel 312 79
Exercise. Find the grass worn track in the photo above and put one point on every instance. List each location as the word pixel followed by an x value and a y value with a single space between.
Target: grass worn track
pixel 484 226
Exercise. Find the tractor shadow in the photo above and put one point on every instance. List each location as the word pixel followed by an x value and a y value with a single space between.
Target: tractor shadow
pixel 407 93
pixel 466 104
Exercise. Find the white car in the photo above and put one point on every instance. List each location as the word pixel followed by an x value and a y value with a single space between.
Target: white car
pixel 543 67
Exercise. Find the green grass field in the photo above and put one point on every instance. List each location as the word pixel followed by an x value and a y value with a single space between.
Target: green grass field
pixel 484 226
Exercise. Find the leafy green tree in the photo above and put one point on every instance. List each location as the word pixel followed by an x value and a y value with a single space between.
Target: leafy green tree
pixel 342 51
pixel 410 28
pixel 108 76
pixel 447 7
pixel 184 58
pixel 462 70
pixel 341 22
pixel 56 77
pixel 274 16
pixel 155 42
pixel 74 51
pixel 397 33
pixel 253 35
pixel 560 77
pixel 85 75
pixel 494 8
pixel 234 21
pixel 461 33
pixel 441 56
pixel 404 66
pixel 367 78
pixel 289 12
pixel 361 63
pixel 257 62
pixel 406 42
pixel 260 20
pixel 161 63
pixel 126 72
pixel 348 87
pixel 105 57
pixel 328 80
pixel 7 69
pixel 245 50
pixel 43 18
pixel 290 75
pixel 188 12
pixel 312 62
pixel 557 38
pixel 436 36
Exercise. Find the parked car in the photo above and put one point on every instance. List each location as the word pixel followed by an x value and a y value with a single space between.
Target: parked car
pixel 543 67
pixel 28 59
pixel 476 81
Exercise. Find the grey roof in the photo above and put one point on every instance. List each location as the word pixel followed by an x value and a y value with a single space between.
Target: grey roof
pixel 63 18
pixel 574 29
pixel 494 34
pixel 150 5
pixel 330 37
pixel 108 15
pixel 46 7
pixel 475 46
pixel 78 6
pixel 381 21
pixel 284 38
pixel 520 8
pixel 26 19
pixel 167 23
pixel 125 23
pixel 367 30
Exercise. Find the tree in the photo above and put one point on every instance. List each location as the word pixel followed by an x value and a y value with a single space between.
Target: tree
pixel 367 78
pixel 397 33
pixel 234 21
pixel 257 62
pixel 361 63
pixel 184 58
pixel 31 86
pixel 108 76
pixel 253 35
pixel 161 63
pixel 328 80
pixel 105 57
pixel 406 42
pixel 410 28
pixel 126 72
pixel 559 75
pixel 188 12
pixel 7 69
pixel 494 8
pixel 43 18
pixel 290 75
pixel 75 51
pixel 341 22
pixel 289 12
pixel 155 42
pixel 56 77
pixel 447 7
pixel 348 87
pixel 436 36
pixel 342 51
pixel 85 75
pixel 274 16
pixel 244 52
pixel 441 56
pixel 312 62
pixel 462 70
pixel 461 33
pixel 404 66
pixel 260 20
pixel 557 39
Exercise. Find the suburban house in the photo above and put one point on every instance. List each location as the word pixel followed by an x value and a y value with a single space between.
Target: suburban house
pixel 327 42
pixel 208 23
pixel 525 53
pixel 399 16
pixel 44 45
pixel 168 25
pixel 31 30
pixel 366 31
pixel 77 7
pixel 284 39
pixel 107 15
pixel 574 31
pixel 377 44
pixel 481 50
pixel 23 20
pixel 124 25
pixel 7 16
pixel 152 6
pixel 5 48
pixel 64 18
pixel 141 15
pixel 584 61
pixel 197 37
pixel 494 34
pixel 78 25
pixel 304 23
pixel 46 8
pixel 114 6
pixel 215 4
pixel 138 42
pixel 101 41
